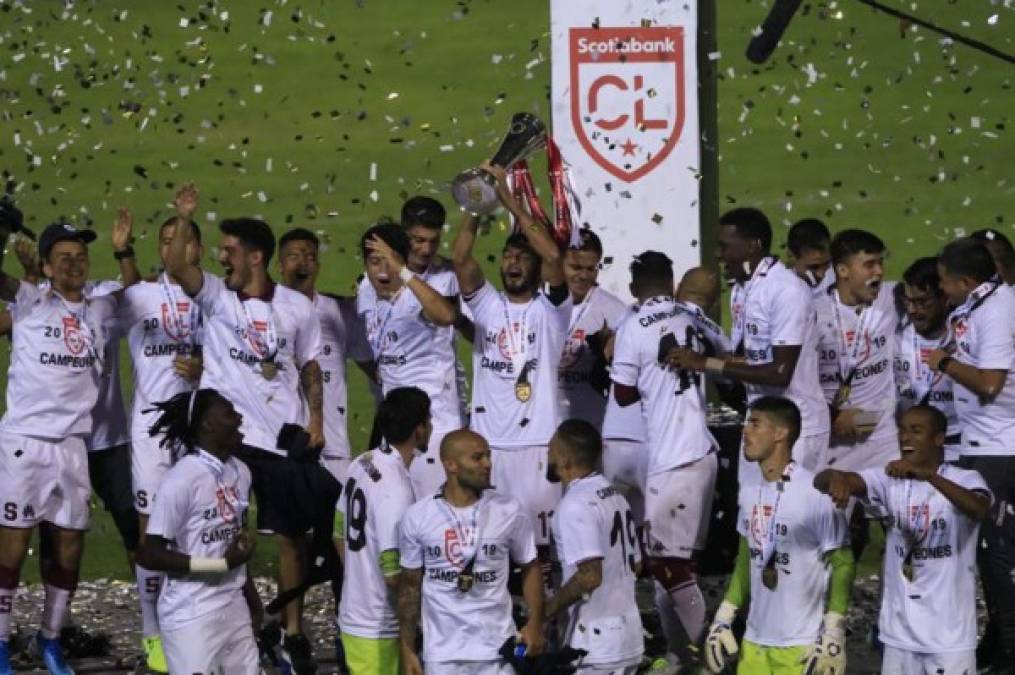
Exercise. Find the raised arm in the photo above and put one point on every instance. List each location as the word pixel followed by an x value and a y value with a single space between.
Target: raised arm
pixel 123 251
pixel 436 308
pixel 10 222
pixel 190 277
pixel 28 257
pixel 467 269
pixel 533 230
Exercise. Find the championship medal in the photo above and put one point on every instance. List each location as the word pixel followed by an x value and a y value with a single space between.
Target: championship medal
pixel 841 396
pixel 908 570
pixel 770 575
pixel 465 581
pixel 523 391
pixel 269 370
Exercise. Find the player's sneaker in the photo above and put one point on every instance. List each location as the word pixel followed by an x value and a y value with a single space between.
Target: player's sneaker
pixel 296 651
pixel 52 655
pixel 155 658
pixel 5 659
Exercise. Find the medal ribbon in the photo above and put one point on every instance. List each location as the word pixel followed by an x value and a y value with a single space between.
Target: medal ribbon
pixel 87 334
pixel 218 470
pixel 913 534
pixel 576 318
pixel 517 355
pixel 380 323
pixel 740 296
pixel 169 297
pixel 768 543
pixel 923 383
pixel 847 374
pixel 265 345
pixel 975 299
pixel 460 530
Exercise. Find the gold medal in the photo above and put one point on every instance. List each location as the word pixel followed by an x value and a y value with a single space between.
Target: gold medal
pixel 523 391
pixel 269 369
pixel 465 581
pixel 842 396
pixel 908 570
pixel 770 576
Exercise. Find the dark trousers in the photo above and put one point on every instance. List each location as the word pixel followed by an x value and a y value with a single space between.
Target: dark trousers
pixel 996 552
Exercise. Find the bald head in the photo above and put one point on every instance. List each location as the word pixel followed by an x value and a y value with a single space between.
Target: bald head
pixel 459 443
pixel 700 285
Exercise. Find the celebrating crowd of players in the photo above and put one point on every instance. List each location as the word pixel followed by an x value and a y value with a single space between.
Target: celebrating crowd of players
pixel 582 461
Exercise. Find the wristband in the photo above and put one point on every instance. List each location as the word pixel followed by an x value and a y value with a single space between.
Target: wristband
pixel 211 565
pixel 128 252
pixel 405 274
pixel 714 366
pixel 942 365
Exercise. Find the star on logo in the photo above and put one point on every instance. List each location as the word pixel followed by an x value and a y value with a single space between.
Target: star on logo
pixel 628 147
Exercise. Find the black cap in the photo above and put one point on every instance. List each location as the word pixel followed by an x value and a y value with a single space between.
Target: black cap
pixel 11 218
pixel 62 232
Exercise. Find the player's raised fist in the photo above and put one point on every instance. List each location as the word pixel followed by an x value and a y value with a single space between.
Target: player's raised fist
pixel 123 229
pixel 186 201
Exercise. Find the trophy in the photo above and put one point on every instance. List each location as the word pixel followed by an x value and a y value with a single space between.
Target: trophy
pixel 475 190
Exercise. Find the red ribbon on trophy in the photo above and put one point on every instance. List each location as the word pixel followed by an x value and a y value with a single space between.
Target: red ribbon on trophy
pixel 566 206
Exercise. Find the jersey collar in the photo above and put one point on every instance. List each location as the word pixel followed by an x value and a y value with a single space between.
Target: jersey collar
pixel 267 296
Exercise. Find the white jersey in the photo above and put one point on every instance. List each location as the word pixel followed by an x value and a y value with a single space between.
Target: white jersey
pixel 410 350
pixel 58 358
pixel 936 611
pixel 794 525
pixel 674 401
pixel 342 338
pixel 775 309
pixel 515 339
pixel 625 423
pixel 375 497
pixel 442 539
pixel 109 416
pixel 201 507
pixel 239 332
pixel 578 397
pixel 984 334
pixel 858 350
pixel 592 521
pixel 161 323
pixel 916 383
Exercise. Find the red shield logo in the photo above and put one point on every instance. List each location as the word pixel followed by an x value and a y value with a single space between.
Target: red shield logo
pixel 72 335
pixel 176 324
pixel 453 548
pixel 627 95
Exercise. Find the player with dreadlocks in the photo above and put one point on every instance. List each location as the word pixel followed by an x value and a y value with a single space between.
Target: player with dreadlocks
pixel 196 534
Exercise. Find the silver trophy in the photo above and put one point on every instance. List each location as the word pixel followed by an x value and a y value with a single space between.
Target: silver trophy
pixel 475 190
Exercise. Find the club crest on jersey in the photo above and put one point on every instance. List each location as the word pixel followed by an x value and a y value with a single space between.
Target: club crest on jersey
pixel 760 515
pixel 453 546
pixel 255 337
pixel 865 351
pixel 504 342
pixel 176 324
pixel 573 348
pixel 225 499
pixel 72 336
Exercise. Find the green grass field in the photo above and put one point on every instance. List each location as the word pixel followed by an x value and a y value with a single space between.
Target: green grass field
pixel 328 114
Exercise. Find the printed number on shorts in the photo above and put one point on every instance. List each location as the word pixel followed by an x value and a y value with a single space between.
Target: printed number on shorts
pixel 151 585
pixel 626 532
pixel 355 516
pixel 6 604
pixel 11 511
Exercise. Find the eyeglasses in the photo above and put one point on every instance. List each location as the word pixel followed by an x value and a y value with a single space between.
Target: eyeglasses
pixel 921 302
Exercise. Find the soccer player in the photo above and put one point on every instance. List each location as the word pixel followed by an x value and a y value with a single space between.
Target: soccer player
pixel 774 326
pixel 597 543
pixel 519 339
pixel 809 241
pixel 857 322
pixel 927 329
pixel 682 462
pixel 342 337
pixel 409 325
pixel 593 308
pixel 456 550
pixel 377 493
pixel 982 368
pixel 794 565
pixel 197 535
pixel 162 326
pixel 1001 251
pixel 261 343
pixel 58 357
pixel 928 607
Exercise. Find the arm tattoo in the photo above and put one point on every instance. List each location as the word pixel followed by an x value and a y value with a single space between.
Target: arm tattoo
pixel 585 580
pixel 409 606
pixel 313 387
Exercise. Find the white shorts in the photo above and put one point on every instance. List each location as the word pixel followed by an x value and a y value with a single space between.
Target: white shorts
pixel 678 508
pixel 44 481
pixel 625 465
pixel 337 466
pixel 427 470
pixel 468 668
pixel 903 662
pixel 148 464
pixel 218 643
pixel 521 473
pixel 870 454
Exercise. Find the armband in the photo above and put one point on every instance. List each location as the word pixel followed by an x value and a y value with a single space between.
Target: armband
pixel 208 565
pixel 714 366
pixel 389 561
pixel 124 254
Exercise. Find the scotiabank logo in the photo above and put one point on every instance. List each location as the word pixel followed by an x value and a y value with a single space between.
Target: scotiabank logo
pixel 627 95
